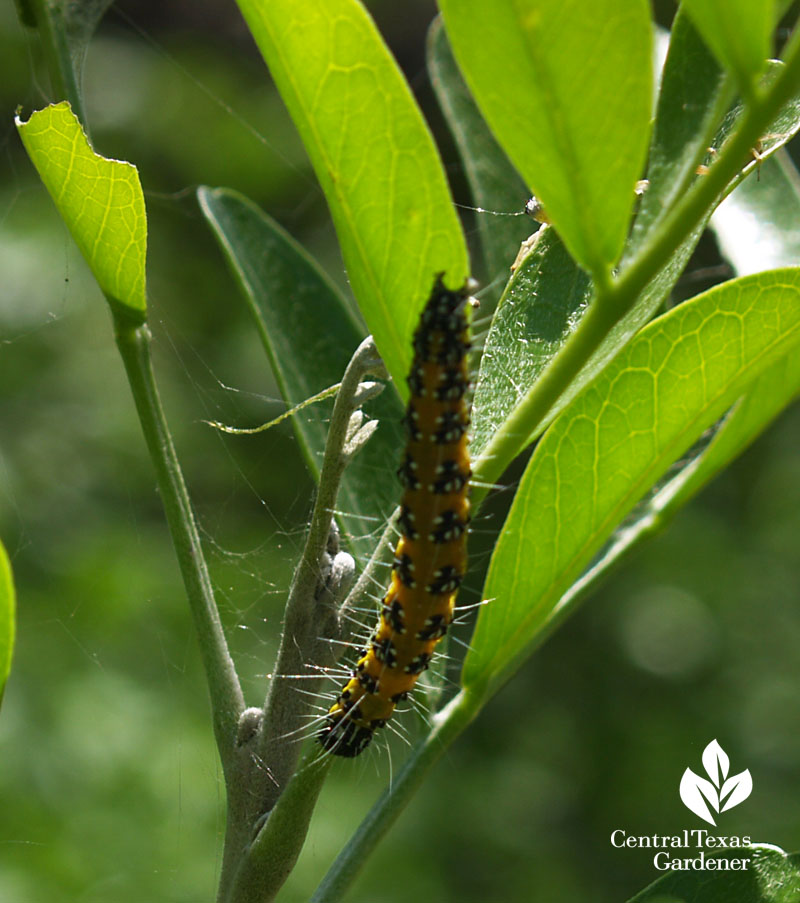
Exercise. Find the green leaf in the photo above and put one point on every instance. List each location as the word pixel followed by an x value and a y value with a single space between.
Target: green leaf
pixel 765 399
pixel 541 304
pixel 758 225
pixel 738 32
pixel 566 87
pixel 7 619
pixel 493 181
pixel 309 335
pixel 674 380
pixel 693 96
pixel 771 876
pixel 374 157
pixel 752 242
pixel 100 200
pixel 506 369
pixel 548 294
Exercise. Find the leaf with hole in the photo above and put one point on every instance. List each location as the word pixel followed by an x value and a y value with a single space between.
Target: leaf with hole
pixel 100 200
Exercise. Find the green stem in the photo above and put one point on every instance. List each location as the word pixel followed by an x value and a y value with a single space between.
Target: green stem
pixel 273 854
pixel 284 707
pixel 267 767
pixel 227 701
pixel 447 725
pixel 616 299
pixel 53 35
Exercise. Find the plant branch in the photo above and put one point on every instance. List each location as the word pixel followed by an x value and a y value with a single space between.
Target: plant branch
pixel 253 866
pixel 447 725
pixel 53 35
pixel 227 700
pixel 284 707
pixel 273 854
pixel 616 299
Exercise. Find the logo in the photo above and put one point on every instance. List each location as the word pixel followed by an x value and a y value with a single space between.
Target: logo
pixel 699 849
pixel 720 792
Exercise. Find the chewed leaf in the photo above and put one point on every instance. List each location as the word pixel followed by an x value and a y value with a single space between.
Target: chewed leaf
pixel 716 762
pixel 740 786
pixel 100 200
pixel 694 793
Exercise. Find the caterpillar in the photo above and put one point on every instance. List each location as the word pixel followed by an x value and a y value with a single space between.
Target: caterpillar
pixel 430 557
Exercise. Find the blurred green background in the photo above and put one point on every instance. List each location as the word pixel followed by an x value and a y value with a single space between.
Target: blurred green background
pixel 110 790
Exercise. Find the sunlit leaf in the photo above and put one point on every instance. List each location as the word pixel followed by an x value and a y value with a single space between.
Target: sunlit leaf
pixel 758 225
pixel 566 87
pixel 374 157
pixel 674 380
pixel 515 378
pixel 99 199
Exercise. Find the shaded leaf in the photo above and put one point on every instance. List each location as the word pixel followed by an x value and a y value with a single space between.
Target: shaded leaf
pixel 309 335
pixel 771 876
pixel 739 32
pixel 694 93
pixel 546 296
pixel 494 183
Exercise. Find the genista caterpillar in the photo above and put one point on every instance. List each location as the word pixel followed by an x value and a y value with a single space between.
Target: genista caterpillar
pixel 430 557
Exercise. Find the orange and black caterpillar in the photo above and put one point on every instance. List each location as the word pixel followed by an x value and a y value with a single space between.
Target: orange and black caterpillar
pixel 431 555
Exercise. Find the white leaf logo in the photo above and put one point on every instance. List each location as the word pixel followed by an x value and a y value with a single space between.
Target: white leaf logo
pixel 716 762
pixel 702 796
pixel 693 790
pixel 740 786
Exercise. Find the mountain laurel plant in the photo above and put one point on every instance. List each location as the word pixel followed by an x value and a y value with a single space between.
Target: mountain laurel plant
pixel 632 406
